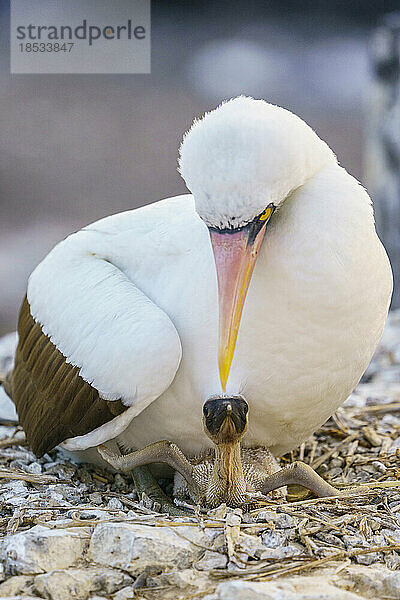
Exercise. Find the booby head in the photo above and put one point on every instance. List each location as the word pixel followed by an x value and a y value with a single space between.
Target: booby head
pixel 225 418
pixel 241 161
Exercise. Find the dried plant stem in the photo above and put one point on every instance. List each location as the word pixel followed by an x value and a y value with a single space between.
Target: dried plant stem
pixel 30 477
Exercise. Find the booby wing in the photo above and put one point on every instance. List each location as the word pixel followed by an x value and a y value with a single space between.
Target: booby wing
pixel 93 352
pixel 53 402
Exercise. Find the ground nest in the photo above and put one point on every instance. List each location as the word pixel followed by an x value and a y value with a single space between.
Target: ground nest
pixel 75 531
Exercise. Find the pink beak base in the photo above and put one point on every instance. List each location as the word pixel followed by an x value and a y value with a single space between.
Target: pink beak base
pixel 235 258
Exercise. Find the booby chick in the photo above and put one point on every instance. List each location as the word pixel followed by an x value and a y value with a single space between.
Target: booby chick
pixel 232 475
pixel 130 324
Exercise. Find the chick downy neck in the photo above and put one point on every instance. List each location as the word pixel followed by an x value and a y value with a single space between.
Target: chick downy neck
pixel 227 483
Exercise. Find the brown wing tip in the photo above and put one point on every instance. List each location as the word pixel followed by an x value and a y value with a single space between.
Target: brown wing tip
pixel 53 402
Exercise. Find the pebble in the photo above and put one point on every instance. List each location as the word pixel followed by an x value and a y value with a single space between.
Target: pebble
pixel 368 559
pixel 278 553
pixel 55 496
pixel 84 476
pixel 337 462
pixel 13 488
pixel 335 472
pixel 119 481
pixel 96 498
pixel 280 520
pixel 34 467
pixel 115 504
pixel 274 539
pixel 353 541
pixel 63 471
pixel 331 539
pixel 211 560
pixel 379 466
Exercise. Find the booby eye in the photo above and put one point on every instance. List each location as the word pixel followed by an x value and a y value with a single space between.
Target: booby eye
pixel 267 213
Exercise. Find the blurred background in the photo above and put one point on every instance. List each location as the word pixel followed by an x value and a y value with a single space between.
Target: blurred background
pixel 74 148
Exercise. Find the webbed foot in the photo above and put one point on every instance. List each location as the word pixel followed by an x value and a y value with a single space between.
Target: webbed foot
pixel 147 487
pixel 299 473
pixel 145 483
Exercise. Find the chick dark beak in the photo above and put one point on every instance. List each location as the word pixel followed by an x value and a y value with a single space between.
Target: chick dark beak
pixel 225 416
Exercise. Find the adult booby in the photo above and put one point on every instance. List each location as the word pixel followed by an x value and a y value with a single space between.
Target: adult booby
pixel 120 330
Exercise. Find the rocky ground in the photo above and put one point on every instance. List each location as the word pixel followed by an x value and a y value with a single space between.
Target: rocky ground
pixel 73 531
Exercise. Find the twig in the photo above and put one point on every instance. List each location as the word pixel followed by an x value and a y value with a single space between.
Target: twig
pixel 13 441
pixel 316 563
pixel 379 408
pixel 319 461
pixel 30 477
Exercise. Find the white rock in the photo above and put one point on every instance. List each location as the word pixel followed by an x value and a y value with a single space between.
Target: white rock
pixel 308 588
pixel 19 597
pixel 211 560
pixel 134 548
pixel 79 583
pixel 62 490
pixel 185 579
pixel 16 501
pixel 282 552
pixel 34 467
pixel 274 539
pixel 55 496
pixel 115 504
pixel 395 446
pixel 96 498
pixel 42 549
pixel 280 520
pixel 251 545
pixel 372 582
pixel 127 593
pixel 19 584
pixel 354 541
pixel 14 486
pixel 64 471
pixel 393 534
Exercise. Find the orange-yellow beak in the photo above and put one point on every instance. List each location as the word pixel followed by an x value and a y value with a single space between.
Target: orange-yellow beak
pixel 235 254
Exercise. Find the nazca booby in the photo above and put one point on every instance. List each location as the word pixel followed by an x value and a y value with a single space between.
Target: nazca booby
pixel 123 321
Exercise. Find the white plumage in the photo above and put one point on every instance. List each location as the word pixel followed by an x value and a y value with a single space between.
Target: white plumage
pixel 246 154
pixel 132 299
